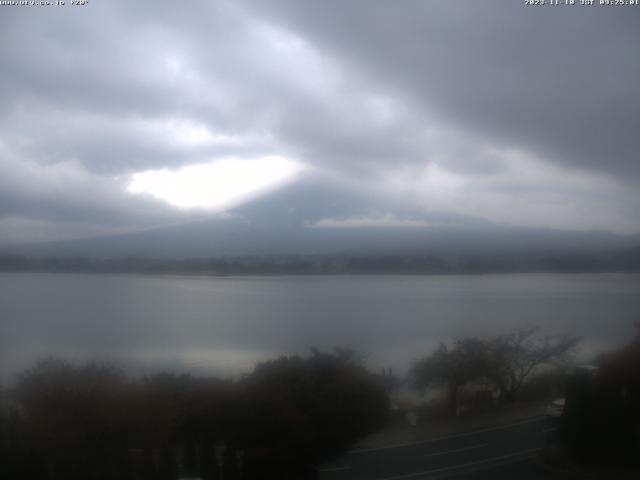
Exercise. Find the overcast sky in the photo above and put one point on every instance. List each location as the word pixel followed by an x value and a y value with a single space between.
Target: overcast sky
pixel 120 116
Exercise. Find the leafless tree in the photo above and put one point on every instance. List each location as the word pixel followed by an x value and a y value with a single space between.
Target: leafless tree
pixel 451 366
pixel 514 357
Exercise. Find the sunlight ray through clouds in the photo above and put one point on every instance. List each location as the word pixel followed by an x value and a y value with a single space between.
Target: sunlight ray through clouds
pixel 215 185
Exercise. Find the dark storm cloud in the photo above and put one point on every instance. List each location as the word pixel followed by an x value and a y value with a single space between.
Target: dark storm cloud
pixel 234 74
pixel 461 107
pixel 558 80
pixel 64 192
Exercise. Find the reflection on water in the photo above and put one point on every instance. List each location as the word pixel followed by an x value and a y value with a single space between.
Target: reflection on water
pixel 225 325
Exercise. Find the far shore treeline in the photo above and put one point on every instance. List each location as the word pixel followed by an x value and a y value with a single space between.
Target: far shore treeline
pixel 531 262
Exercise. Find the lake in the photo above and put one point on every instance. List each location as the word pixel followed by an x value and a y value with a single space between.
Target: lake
pixel 223 325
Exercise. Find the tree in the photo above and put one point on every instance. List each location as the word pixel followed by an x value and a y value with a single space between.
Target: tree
pixel 601 419
pixel 300 411
pixel 513 358
pixel 75 417
pixel 181 413
pixel 452 366
pixel 508 361
pixel 86 422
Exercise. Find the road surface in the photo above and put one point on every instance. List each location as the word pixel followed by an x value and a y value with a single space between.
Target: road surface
pixel 504 451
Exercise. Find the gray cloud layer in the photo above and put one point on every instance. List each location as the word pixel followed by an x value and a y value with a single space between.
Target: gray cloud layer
pixel 513 114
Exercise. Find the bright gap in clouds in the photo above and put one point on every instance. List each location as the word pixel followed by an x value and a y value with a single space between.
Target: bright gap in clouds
pixel 215 185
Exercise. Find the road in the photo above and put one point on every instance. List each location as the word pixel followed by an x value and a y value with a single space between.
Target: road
pixel 504 451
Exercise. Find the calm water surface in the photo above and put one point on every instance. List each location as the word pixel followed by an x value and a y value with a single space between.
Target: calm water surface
pixel 226 324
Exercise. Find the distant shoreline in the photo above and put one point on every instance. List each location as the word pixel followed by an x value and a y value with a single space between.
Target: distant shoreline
pixel 349 264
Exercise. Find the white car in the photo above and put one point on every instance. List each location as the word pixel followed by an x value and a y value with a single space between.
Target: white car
pixel 555 409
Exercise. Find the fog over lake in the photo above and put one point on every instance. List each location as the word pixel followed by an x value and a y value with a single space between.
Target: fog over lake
pixel 223 325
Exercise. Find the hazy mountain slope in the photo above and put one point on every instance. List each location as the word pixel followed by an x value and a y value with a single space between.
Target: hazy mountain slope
pixel 284 222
